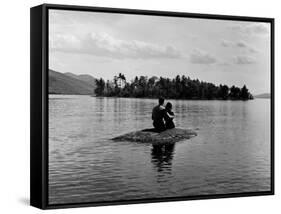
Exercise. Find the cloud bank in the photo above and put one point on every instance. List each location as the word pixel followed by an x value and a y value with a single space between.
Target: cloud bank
pixel 226 43
pixel 104 45
pixel 240 44
pixel 244 60
pixel 202 57
pixel 252 29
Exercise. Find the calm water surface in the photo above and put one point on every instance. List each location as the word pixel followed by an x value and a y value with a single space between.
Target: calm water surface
pixel 231 153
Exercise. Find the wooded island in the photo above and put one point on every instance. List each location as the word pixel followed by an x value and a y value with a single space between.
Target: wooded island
pixel 180 87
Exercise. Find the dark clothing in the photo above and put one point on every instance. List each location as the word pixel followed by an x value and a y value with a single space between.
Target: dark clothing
pixel 158 113
pixel 168 120
pixel 159 126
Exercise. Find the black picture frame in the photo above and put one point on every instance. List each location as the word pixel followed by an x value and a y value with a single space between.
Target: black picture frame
pixel 39 102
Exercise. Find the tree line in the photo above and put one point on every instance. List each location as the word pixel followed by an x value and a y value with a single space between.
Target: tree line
pixel 180 87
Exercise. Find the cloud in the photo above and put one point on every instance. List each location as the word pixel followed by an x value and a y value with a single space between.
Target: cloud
pixel 244 60
pixel 258 28
pixel 253 50
pixel 252 29
pixel 64 42
pixel 202 57
pixel 241 44
pixel 226 43
pixel 224 63
pixel 102 44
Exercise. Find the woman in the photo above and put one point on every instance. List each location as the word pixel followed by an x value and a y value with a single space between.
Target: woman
pixel 169 116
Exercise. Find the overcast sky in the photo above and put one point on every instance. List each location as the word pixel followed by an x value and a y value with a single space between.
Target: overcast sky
pixel 104 44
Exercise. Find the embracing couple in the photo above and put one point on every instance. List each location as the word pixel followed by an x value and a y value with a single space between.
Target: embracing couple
pixel 163 116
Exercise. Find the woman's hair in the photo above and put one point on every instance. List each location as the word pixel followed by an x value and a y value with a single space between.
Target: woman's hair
pixel 169 105
pixel 161 100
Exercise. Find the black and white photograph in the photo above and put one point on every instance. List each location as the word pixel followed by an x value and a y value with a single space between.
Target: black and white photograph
pixel 156 107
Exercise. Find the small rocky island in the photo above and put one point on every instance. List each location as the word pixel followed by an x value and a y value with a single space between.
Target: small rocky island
pixel 169 136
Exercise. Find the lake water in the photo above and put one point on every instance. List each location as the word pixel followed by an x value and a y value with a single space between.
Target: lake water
pixel 231 153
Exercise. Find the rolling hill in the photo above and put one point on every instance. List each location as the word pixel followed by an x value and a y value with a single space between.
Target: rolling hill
pixel 264 96
pixel 60 83
pixel 83 77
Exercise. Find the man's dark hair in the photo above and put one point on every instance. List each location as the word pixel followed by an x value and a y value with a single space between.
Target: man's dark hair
pixel 161 100
pixel 169 106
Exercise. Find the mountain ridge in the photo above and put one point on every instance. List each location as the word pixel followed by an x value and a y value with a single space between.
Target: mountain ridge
pixel 84 77
pixel 61 83
pixel 263 95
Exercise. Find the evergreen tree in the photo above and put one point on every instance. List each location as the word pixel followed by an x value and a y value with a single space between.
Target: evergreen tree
pixel 100 85
pixel 244 95
pixel 180 87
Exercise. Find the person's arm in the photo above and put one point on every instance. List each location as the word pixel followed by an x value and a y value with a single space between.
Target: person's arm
pixel 171 116
pixel 167 116
pixel 153 113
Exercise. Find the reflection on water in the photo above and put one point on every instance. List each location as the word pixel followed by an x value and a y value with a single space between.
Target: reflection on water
pixel 162 156
pixel 230 154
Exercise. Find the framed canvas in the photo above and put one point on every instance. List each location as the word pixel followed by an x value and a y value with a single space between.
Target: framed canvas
pixel 136 106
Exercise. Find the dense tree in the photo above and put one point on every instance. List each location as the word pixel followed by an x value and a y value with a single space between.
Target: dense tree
pixel 244 94
pixel 235 93
pixel 224 91
pixel 180 87
pixel 100 85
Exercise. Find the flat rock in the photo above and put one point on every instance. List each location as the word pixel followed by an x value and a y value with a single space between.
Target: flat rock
pixel 151 136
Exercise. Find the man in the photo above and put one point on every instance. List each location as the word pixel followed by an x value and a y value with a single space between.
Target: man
pixel 158 113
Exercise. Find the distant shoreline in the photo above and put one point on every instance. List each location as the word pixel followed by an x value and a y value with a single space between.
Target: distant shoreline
pixel 154 98
pixel 268 98
pixel 67 94
pixel 263 96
